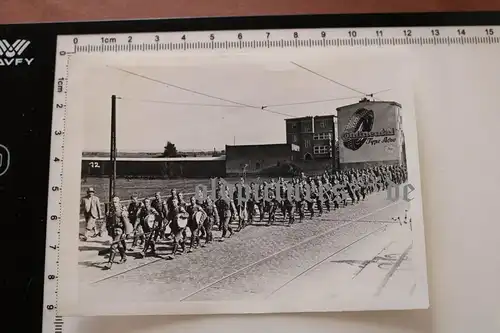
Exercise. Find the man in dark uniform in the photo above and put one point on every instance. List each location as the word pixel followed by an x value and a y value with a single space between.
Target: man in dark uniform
pixel 150 227
pixel 299 202
pixel 133 215
pixel 316 197
pixel 161 207
pixel 351 191
pixel 281 197
pixel 309 200
pixel 195 225
pixel 261 204
pixel 337 194
pixel 116 225
pixel 240 204
pixel 327 193
pixel 356 187
pixel 289 204
pixel 178 226
pixel 251 203
pixel 212 217
pixel 170 205
pixel 225 205
pixel 363 185
pixel 271 202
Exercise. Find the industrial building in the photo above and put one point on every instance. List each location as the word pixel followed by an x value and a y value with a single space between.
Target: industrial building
pixel 314 135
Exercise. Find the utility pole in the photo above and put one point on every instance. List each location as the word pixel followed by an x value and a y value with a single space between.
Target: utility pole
pixel 112 155
pixel 333 151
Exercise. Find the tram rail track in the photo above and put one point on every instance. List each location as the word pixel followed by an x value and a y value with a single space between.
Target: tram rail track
pixel 295 246
pixel 360 219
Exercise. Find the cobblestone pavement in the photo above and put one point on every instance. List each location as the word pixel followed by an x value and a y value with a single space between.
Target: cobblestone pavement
pixel 253 264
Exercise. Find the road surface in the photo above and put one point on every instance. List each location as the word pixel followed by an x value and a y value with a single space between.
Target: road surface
pixel 357 249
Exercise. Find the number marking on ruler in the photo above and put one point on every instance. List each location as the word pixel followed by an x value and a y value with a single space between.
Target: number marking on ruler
pixel 261 39
pixel 51 321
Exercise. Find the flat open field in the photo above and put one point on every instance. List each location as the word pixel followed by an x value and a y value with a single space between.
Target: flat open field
pixel 147 187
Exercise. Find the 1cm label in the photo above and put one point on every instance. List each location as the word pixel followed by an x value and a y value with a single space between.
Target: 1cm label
pixel 108 40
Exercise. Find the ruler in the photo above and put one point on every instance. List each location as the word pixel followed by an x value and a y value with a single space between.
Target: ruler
pixel 265 39
pixel 197 41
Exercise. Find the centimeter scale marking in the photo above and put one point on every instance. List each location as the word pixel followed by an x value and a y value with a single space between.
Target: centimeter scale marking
pixel 200 41
pixel 261 39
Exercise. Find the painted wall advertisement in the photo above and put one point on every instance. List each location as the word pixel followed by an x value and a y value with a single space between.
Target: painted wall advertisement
pixel 368 132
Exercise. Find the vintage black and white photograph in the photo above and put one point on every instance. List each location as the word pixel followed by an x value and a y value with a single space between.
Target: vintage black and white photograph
pixel 245 184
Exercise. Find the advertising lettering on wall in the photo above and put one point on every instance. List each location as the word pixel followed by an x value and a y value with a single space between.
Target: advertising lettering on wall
pixel 369 132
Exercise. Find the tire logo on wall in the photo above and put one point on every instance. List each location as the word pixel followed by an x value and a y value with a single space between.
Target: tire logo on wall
pixel 361 121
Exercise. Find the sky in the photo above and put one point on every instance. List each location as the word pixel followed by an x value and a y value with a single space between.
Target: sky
pixel 146 126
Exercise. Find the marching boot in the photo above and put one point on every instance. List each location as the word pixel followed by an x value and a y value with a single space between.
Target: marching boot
pixel 146 247
pixel 111 260
pixel 192 244
pixel 123 257
pixel 153 248
pixel 134 243
pixel 175 248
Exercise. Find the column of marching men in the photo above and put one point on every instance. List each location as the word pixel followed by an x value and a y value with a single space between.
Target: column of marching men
pixel 148 221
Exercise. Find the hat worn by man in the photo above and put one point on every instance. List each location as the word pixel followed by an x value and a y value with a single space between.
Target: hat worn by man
pixel 90 190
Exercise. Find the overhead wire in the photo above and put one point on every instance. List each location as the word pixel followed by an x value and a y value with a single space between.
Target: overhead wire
pixel 178 103
pixel 331 80
pixel 312 102
pixel 199 93
pixel 236 104
pixel 379 92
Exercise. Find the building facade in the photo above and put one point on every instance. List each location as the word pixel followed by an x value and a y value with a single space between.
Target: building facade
pixel 371 133
pixel 315 135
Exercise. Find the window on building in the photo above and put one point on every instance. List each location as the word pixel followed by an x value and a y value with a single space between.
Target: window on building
pixel 294 125
pixel 307 128
pixel 322 124
pixel 294 138
pixel 319 150
pixel 321 136
pixel 307 143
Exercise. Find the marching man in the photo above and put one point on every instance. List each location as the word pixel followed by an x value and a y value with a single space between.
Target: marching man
pixel 118 228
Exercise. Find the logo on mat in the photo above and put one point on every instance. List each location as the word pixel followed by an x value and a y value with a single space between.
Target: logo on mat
pixel 10 54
